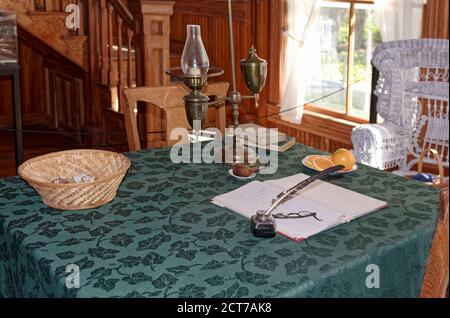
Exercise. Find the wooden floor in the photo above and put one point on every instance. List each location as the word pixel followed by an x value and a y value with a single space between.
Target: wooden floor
pixel 37 144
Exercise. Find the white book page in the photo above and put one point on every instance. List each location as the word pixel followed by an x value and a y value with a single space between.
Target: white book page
pixel 341 200
pixel 256 195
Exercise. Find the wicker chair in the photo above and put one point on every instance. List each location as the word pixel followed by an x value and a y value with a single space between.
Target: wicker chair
pixel 413 102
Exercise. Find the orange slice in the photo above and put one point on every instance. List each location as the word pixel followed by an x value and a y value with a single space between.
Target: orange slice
pixel 321 163
pixel 309 161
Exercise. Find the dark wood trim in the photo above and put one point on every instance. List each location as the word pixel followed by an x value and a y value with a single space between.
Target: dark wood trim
pixel 354 1
pixel 350 58
pixel 276 39
pixel 124 13
pixel 435 19
pixel 334 114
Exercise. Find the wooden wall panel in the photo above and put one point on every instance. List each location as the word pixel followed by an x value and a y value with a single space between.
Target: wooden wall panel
pixel 32 87
pixel 212 16
pixel 52 88
pixel 6 119
pixel 435 20
pixel 65 102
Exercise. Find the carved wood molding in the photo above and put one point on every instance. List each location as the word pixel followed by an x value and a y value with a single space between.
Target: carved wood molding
pixel 212 8
pixel 161 8
pixel 77 48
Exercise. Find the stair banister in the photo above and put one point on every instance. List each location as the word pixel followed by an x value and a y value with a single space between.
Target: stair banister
pixel 124 12
pixel 117 45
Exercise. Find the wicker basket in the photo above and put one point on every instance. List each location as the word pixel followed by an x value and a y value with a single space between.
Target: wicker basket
pixel 441 181
pixel 108 169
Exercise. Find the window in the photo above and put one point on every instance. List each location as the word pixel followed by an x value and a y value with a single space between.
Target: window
pixel 346 34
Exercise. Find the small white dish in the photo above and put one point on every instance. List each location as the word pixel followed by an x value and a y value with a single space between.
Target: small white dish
pixel 230 172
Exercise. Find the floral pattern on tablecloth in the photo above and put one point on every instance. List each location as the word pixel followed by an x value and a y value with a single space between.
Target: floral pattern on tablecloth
pixel 161 237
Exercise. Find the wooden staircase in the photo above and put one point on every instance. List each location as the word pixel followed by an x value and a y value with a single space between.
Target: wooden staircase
pixel 48 24
pixel 119 44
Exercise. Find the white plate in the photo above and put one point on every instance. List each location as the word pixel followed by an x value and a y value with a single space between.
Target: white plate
pixel 230 172
pixel 355 167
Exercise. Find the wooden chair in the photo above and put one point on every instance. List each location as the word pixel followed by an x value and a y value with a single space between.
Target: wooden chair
pixel 170 100
pixel 435 283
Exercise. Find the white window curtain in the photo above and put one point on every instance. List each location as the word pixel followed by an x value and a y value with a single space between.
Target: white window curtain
pixel 400 19
pixel 302 16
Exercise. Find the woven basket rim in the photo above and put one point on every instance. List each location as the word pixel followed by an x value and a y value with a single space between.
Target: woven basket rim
pixel 120 173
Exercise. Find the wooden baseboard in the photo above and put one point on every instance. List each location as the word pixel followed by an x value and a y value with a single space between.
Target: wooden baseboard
pixel 6 121
pixel 316 130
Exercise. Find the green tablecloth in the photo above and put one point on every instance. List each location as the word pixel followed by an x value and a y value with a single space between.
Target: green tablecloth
pixel 162 238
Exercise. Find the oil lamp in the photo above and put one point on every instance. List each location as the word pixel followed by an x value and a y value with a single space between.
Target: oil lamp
pixel 195 72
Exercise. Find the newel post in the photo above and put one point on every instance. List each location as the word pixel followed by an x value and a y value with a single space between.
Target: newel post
pixel 153 31
pixel 153 56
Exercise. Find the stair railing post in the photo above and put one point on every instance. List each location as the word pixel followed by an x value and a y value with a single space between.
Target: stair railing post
pixel 153 54
pixel 130 73
pixel 153 31
pixel 121 70
pixel 111 68
pixel 95 14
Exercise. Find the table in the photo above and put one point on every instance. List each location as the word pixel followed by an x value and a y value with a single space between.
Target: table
pixel 161 237
pixel 13 70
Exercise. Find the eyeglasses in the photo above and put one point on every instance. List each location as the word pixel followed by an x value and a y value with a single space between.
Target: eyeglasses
pixel 297 215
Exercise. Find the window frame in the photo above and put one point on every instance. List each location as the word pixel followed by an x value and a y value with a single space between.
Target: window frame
pixel 350 64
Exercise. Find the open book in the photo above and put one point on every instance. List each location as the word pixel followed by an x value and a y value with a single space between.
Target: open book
pixel 334 205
